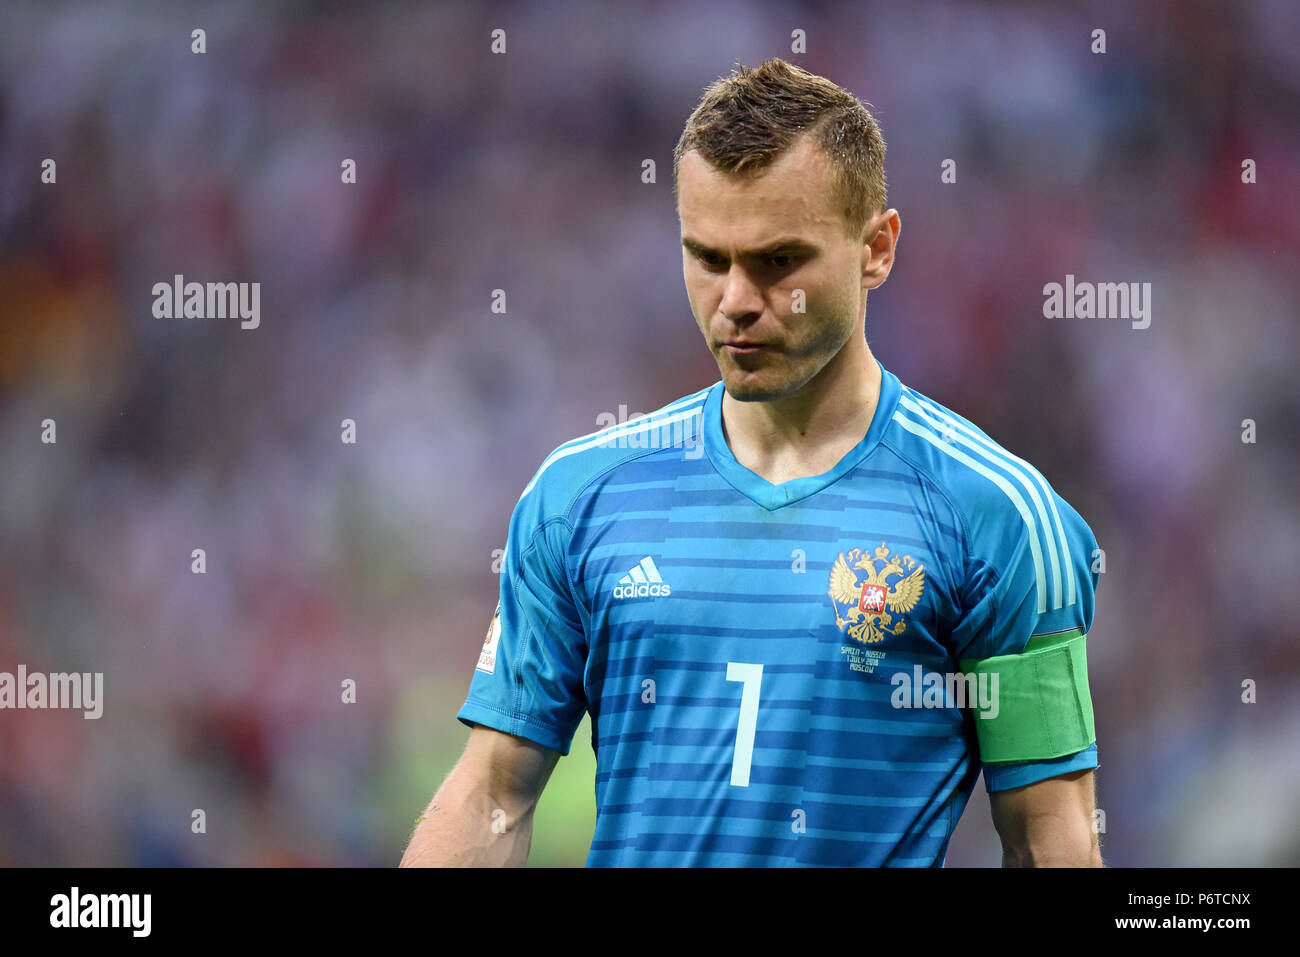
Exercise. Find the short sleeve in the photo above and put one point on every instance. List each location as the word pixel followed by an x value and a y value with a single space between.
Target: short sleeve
pixel 529 677
pixel 1030 586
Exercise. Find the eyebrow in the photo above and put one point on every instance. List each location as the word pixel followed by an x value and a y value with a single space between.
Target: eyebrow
pixel 784 244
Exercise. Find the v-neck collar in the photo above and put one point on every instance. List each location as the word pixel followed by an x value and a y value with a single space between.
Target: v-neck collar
pixel 771 497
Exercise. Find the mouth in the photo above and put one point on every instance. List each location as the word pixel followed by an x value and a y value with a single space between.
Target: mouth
pixel 744 348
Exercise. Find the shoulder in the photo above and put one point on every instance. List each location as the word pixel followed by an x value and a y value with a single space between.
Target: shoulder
pixel 987 482
pixel 574 465
pixel 1008 508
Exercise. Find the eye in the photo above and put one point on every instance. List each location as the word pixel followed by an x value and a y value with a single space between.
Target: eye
pixel 781 262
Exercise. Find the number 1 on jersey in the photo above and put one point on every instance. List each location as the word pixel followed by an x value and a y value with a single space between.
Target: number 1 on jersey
pixel 752 678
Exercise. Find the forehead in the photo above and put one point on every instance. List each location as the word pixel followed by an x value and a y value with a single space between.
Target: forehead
pixel 792 194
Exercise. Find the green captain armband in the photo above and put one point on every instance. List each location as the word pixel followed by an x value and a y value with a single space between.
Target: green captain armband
pixel 1044 710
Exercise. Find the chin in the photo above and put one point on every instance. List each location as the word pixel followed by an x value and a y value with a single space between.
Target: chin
pixel 758 386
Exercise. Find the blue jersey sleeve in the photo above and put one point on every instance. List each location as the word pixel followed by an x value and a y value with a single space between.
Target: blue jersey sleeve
pixel 528 681
pixel 1029 575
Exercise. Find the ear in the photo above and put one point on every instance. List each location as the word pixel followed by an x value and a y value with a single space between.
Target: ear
pixel 878 245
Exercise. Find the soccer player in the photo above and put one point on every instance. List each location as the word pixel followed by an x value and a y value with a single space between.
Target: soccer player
pixel 804 606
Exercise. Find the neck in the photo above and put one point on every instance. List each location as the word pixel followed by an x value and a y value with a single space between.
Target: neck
pixel 809 431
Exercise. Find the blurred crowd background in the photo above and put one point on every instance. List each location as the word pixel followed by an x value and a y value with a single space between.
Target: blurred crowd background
pixel 522 172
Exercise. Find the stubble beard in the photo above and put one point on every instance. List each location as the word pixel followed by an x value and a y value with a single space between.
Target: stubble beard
pixel 779 374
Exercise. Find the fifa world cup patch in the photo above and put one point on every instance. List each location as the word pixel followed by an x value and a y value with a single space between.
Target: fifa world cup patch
pixel 487 658
pixel 865 609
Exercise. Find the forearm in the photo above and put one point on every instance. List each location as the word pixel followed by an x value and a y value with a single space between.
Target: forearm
pixel 468 827
pixel 1053 841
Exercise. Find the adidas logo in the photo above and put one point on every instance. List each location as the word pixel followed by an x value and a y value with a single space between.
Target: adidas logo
pixel 643 581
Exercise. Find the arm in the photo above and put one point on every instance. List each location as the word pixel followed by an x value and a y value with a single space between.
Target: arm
pixel 1048 823
pixel 462 826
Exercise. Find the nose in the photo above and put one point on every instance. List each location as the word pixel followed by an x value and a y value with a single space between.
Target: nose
pixel 741 297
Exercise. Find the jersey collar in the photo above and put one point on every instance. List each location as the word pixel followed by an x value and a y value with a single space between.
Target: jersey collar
pixel 771 497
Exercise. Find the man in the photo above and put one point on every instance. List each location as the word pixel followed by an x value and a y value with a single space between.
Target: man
pixel 801 646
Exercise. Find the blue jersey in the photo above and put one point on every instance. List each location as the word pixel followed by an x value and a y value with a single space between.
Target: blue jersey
pixel 752 654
